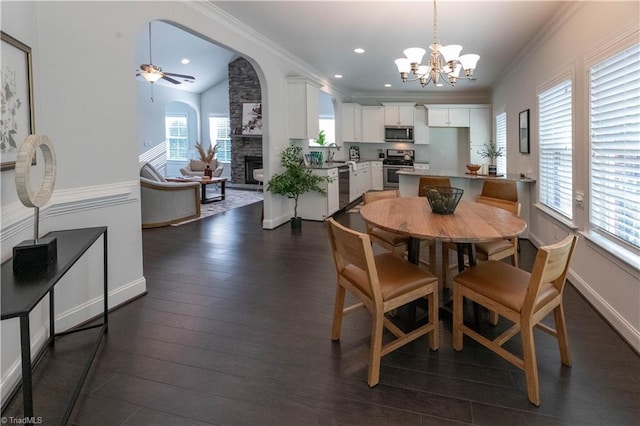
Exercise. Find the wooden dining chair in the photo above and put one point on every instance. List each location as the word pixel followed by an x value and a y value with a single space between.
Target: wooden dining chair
pixel 493 250
pixel 523 298
pixel 431 181
pixel 395 243
pixel 382 283
pixel 501 189
pixel 423 182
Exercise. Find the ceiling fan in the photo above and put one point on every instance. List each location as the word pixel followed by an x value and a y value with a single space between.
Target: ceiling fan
pixel 153 73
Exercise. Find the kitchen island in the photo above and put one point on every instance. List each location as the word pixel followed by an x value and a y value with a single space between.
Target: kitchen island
pixel 470 183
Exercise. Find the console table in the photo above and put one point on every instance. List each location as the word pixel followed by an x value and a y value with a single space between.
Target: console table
pixel 21 293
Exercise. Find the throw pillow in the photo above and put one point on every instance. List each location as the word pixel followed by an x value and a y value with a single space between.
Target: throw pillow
pixel 149 172
pixel 197 165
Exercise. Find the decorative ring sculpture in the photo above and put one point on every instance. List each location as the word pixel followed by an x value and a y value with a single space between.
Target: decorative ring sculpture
pixel 23 171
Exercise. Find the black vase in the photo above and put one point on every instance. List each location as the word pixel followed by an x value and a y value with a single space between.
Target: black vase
pixel 296 223
pixel 493 169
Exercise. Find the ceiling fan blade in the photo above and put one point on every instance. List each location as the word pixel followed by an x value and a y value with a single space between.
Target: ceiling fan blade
pixel 170 79
pixel 188 77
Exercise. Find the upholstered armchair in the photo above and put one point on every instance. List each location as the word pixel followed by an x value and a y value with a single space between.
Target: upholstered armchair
pixel 196 168
pixel 164 203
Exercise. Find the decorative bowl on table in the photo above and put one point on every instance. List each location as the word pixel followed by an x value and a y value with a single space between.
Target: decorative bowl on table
pixel 473 168
pixel 443 199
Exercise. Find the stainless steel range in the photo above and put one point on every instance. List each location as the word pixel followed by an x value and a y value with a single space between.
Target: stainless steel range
pixel 397 159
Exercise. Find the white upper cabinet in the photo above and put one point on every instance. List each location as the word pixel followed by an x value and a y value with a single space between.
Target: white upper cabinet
pixel 304 114
pixel 420 128
pixel 479 132
pixel 447 116
pixel 351 122
pixel 373 124
pixel 399 113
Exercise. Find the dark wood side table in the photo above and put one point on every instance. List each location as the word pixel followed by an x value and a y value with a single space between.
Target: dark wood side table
pixel 203 187
pixel 20 294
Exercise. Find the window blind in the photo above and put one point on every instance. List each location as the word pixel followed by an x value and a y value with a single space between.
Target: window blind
pixel 501 141
pixel 614 112
pixel 176 132
pixel 555 144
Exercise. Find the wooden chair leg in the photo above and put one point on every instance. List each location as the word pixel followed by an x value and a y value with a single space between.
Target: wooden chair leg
pixel 434 336
pixel 561 334
pixel 445 266
pixel 338 312
pixel 376 349
pixel 530 364
pixel 457 318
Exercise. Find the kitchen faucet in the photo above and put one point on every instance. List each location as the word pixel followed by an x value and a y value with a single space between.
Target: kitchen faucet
pixel 332 154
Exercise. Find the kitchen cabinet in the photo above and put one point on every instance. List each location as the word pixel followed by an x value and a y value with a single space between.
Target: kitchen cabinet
pixel 359 180
pixel 440 116
pixel 315 206
pixel 420 128
pixel 372 124
pixel 351 122
pixel 304 108
pixel 398 113
pixel 377 177
pixel 479 132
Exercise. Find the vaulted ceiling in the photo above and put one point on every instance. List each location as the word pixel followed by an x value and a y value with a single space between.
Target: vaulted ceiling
pixel 323 35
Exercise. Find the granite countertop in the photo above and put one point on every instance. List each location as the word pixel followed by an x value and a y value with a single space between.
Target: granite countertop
pixel 453 174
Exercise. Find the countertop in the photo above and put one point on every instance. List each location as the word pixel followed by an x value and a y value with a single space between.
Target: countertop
pixel 334 164
pixel 451 174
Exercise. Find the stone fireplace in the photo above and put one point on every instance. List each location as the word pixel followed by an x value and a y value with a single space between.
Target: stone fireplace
pixel 246 150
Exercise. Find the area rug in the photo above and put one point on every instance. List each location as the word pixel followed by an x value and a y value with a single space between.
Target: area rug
pixel 233 199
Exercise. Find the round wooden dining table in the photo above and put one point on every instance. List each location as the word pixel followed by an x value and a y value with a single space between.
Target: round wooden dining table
pixel 470 223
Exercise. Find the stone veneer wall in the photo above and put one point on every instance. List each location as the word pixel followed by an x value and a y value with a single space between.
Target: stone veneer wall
pixel 244 87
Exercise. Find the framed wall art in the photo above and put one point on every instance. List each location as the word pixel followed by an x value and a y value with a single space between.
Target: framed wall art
pixel 523 127
pixel 252 119
pixel 17 99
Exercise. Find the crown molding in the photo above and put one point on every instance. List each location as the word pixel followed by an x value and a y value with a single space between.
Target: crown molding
pixel 543 35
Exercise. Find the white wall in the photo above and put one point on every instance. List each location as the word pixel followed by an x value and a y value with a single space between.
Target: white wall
pixel 612 286
pixel 87 101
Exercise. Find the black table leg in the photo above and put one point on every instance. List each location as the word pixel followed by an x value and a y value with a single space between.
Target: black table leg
pixel 27 381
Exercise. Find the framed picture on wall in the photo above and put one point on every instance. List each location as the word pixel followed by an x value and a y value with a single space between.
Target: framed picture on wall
pixel 17 98
pixel 524 131
pixel 252 119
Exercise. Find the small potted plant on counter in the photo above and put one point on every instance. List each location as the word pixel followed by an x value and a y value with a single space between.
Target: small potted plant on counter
pixel 491 151
pixel 295 180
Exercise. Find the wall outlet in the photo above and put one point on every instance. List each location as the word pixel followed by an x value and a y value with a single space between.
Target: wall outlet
pixel 579 200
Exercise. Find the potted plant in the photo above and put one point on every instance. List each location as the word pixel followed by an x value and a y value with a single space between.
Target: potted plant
pixel 491 151
pixel 295 180
pixel 321 138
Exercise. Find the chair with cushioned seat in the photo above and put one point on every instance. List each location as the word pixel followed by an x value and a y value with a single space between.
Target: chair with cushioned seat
pixel 382 283
pixel 196 168
pixel 521 297
pixel 258 174
pixel 496 250
pixel 395 243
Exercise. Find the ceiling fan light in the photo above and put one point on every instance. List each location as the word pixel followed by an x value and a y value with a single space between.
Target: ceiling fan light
pixel 151 77
pixel 450 52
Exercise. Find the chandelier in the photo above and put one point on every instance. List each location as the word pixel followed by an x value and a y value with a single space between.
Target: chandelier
pixel 444 63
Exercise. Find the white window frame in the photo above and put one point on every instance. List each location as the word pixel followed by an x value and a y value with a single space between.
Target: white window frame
pixel 185 139
pixel 224 143
pixel 603 222
pixel 501 140
pixel 562 209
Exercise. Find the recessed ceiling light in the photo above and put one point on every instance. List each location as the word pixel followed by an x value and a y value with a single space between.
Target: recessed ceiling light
pixel 358 50
pixel 337 75
pixel 387 85
pixel 184 61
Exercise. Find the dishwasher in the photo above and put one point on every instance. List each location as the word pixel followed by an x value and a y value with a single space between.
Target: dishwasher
pixel 343 186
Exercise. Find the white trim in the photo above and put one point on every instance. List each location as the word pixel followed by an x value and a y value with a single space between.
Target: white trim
pixel 552 214
pixel 621 40
pixel 623 258
pixel 16 218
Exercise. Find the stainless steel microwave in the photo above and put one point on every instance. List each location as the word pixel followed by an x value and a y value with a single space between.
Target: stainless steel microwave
pixel 398 134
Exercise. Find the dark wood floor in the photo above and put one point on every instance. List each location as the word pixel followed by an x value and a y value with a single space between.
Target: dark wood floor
pixel 235 329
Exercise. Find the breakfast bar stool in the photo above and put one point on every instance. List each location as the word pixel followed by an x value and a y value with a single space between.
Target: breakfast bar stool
pixel 258 174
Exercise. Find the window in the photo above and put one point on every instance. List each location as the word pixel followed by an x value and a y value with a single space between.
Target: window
pixel 220 133
pixel 177 132
pixel 329 127
pixel 555 140
pixel 614 129
pixel 501 142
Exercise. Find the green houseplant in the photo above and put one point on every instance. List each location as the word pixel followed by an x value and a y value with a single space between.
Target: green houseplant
pixel 295 180
pixel 491 151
